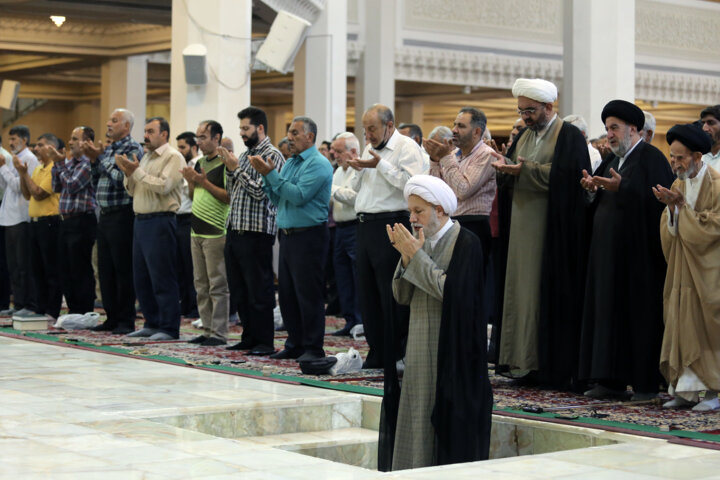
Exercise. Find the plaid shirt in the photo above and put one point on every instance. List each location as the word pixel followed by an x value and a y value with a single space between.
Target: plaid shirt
pixel 107 178
pixel 73 181
pixel 250 208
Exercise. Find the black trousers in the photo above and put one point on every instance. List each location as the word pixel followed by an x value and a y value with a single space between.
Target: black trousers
pixel 45 264
pixel 301 283
pixel 382 316
pixel 115 272
pixel 18 262
pixel 4 274
pixel 186 281
pixel 248 261
pixel 77 236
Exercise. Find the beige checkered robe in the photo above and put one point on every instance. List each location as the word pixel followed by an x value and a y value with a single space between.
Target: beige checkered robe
pixel 421 286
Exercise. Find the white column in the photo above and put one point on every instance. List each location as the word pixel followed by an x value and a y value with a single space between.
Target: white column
pixel 320 75
pixel 375 80
pixel 225 28
pixel 124 85
pixel 598 59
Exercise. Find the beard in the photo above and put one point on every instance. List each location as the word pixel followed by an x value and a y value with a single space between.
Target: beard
pixel 540 123
pixel 691 171
pixel 433 226
pixel 252 140
pixel 623 145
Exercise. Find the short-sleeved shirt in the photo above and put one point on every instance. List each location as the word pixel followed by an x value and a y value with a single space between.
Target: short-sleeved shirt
pixel 42 176
pixel 209 215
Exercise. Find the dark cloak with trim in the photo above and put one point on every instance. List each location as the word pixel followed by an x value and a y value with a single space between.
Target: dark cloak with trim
pixel 462 412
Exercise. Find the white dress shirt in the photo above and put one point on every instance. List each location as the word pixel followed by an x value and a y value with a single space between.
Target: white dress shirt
pixel 342 194
pixel 712 160
pixel 380 189
pixel 14 207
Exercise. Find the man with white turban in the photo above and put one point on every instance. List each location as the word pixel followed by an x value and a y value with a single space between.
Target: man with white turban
pixel 442 415
pixel 542 219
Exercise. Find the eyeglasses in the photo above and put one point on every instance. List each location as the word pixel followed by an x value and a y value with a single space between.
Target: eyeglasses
pixel 528 111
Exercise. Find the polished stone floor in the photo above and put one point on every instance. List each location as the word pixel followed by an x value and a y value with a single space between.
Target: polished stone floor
pixel 67 413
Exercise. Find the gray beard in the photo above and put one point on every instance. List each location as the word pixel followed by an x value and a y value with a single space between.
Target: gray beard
pixel 622 149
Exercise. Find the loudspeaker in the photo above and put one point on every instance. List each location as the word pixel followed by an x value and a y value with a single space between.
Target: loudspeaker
pixel 8 94
pixel 194 58
pixel 286 35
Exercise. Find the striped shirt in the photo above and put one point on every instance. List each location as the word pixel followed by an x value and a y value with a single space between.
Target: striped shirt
pixel 107 178
pixel 72 180
pixel 472 178
pixel 250 208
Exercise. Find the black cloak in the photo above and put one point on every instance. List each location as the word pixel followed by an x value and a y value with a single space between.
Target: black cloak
pixel 564 258
pixel 622 319
pixel 463 397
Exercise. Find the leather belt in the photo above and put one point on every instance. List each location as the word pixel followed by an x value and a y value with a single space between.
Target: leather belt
pixel 67 216
pixel 290 231
pixel 144 216
pixel 346 224
pixel 367 217
pixel 115 209
pixel 45 218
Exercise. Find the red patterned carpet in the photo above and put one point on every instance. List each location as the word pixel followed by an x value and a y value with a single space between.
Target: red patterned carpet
pixel 647 417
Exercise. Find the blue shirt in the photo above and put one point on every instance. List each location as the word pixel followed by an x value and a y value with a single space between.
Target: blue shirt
pixel 301 191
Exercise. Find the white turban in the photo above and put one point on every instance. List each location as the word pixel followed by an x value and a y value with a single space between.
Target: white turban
pixel 536 88
pixel 432 190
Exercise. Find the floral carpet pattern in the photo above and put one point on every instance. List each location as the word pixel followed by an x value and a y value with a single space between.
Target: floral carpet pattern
pixel 647 416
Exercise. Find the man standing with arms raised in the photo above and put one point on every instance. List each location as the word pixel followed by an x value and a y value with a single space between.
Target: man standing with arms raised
pixel 545 267
pixel 210 208
pixel 301 192
pixel 251 234
pixel 115 227
pixel 155 183
pixel 387 163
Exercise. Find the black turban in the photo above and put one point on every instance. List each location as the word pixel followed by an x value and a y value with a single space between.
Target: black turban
pixel 626 111
pixel 691 136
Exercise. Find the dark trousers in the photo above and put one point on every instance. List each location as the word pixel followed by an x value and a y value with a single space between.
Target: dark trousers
pixel 346 273
pixel 154 272
pixel 4 274
pixel 45 264
pixel 186 283
pixel 115 267
pixel 77 236
pixel 332 298
pixel 301 283
pixel 18 262
pixel 248 261
pixel 382 315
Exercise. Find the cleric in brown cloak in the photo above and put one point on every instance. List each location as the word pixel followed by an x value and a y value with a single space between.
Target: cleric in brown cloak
pixel 690 234
pixel 622 320
pixel 443 413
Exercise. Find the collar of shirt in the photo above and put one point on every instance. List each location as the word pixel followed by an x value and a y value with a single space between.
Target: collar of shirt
pixel 697 179
pixel 261 145
pixel 458 152
pixel 306 153
pixel 120 142
pixel 709 155
pixel 390 145
pixel 161 149
pixel 439 234
pixel 542 132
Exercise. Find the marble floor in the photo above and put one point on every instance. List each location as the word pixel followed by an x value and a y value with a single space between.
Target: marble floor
pixel 67 413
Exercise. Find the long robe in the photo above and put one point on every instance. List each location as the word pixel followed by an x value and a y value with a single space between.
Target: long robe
pixel 543 225
pixel 622 319
pixel 691 297
pixel 446 401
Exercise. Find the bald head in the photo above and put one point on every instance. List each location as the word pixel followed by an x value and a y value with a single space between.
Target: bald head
pixel 379 125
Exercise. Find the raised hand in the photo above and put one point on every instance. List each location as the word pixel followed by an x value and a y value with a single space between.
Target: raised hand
pixel 21 167
pixel 404 242
pixel 611 184
pixel 437 150
pixel 671 198
pixel 587 182
pixel 359 164
pixel 91 150
pixel 263 167
pixel 228 158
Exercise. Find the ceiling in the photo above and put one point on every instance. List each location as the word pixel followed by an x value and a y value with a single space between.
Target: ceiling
pixel 76 76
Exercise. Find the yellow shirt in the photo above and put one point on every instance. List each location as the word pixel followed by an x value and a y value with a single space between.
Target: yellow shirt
pixel 42 176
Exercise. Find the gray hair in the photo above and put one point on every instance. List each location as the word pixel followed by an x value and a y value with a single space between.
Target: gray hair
pixel 441 131
pixel 649 124
pixel 477 117
pixel 127 116
pixel 579 122
pixel 283 142
pixel 487 135
pixel 309 125
pixel 351 141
